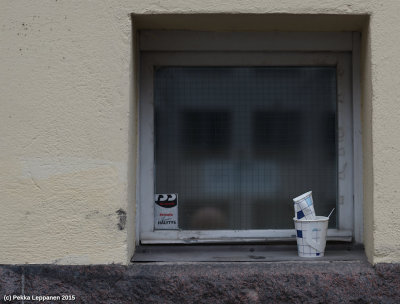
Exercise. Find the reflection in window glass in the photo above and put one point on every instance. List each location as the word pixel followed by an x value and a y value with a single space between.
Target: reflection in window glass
pixel 238 143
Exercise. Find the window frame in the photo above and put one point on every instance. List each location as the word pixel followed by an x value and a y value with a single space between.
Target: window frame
pixel 180 48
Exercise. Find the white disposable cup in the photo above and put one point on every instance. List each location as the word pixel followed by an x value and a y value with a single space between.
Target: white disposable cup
pixel 311 236
pixel 304 206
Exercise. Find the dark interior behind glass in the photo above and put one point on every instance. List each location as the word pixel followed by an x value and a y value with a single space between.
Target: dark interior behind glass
pixel 238 143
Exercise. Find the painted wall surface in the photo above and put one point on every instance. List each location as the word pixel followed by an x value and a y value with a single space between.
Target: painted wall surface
pixel 68 116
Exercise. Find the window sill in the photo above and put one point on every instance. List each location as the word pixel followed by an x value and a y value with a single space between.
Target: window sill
pixel 242 253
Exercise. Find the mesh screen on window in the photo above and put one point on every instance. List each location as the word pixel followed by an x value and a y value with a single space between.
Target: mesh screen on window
pixel 238 143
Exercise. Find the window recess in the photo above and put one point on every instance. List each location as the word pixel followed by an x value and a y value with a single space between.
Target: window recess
pixel 237 124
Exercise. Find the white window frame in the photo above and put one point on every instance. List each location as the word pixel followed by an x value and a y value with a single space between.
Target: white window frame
pixel 181 48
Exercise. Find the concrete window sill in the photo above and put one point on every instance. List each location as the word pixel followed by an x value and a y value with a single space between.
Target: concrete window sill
pixel 242 253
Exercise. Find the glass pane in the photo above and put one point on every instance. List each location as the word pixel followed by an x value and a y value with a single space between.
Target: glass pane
pixel 238 143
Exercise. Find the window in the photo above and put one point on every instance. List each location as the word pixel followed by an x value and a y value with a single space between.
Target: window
pixel 238 124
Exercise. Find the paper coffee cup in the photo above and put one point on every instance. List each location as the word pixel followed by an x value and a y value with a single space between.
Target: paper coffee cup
pixel 311 236
pixel 304 206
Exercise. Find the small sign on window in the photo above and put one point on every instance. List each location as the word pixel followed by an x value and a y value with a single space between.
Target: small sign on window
pixel 166 211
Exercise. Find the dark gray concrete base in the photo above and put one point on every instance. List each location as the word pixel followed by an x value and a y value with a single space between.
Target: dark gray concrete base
pixel 278 282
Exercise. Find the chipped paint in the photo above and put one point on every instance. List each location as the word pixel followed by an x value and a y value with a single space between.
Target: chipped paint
pixel 122 219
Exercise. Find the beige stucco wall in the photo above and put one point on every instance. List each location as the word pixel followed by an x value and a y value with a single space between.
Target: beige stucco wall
pixel 68 119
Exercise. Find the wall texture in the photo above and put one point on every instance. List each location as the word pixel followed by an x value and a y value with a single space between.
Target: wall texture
pixel 67 116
